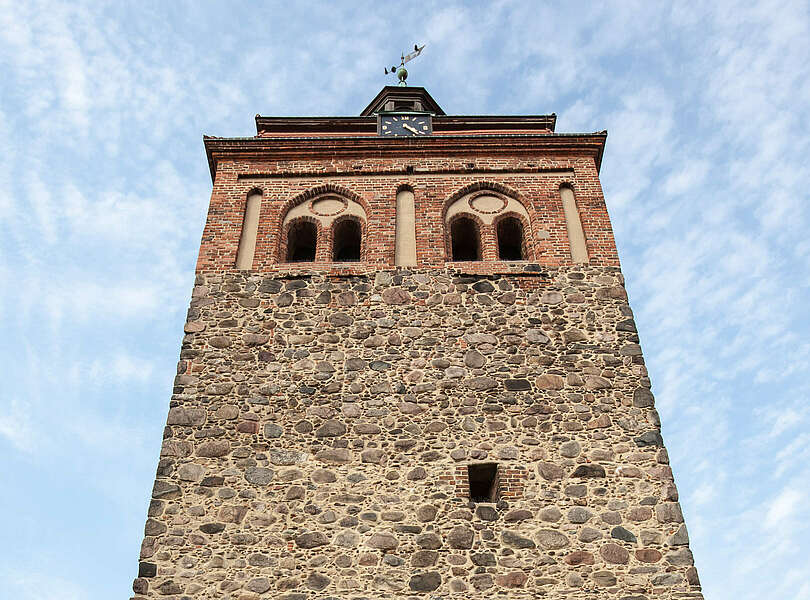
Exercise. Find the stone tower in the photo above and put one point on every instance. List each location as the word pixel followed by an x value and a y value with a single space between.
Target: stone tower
pixel 410 370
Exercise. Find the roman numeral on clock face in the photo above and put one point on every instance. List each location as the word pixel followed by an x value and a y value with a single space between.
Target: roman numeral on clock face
pixel 404 125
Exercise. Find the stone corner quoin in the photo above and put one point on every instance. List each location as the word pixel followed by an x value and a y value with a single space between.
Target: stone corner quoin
pixel 331 424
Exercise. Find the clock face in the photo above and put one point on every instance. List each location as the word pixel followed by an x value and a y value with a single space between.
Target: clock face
pixel 402 125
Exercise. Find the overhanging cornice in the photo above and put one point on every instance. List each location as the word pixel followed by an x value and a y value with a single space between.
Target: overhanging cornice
pixel 284 148
pixel 335 126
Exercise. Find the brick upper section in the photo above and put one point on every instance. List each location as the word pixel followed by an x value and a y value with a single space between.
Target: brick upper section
pixel 291 165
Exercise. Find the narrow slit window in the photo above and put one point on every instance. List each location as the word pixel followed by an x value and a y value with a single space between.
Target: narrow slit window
pixel 482 479
pixel 347 241
pixel 302 241
pixel 464 240
pixel 510 239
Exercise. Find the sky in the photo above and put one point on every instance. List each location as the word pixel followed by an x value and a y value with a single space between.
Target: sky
pixel 104 188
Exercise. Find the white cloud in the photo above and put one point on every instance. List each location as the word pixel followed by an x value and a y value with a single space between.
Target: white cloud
pixel 795 451
pixel 39 197
pixel 86 300
pixel 689 178
pixel 98 433
pixel 40 585
pixel 704 494
pixel 704 175
pixel 782 511
pixel 16 424
pixel 120 368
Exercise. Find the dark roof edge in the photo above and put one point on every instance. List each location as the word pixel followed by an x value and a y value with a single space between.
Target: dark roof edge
pixel 291 124
pixel 363 117
pixel 414 91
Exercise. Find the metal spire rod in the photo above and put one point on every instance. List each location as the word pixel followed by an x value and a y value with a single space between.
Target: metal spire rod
pixel 402 72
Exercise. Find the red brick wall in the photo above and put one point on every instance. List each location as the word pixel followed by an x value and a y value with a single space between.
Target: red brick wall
pixel 374 181
pixel 509 482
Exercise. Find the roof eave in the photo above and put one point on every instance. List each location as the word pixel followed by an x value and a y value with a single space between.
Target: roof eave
pixel 228 145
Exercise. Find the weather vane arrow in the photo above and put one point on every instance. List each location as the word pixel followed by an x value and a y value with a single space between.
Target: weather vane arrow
pixel 402 72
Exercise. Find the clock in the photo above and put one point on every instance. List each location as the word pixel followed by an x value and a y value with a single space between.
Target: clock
pixel 399 125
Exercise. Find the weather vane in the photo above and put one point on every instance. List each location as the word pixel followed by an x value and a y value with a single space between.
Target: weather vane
pixel 401 72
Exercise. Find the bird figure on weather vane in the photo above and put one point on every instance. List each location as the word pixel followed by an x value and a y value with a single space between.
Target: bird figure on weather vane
pixel 402 72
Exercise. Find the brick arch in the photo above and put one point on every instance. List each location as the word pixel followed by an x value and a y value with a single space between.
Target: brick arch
pixel 324 231
pixel 322 190
pixel 526 241
pixel 320 237
pixel 487 224
pixel 330 235
pixel 483 186
pixel 480 228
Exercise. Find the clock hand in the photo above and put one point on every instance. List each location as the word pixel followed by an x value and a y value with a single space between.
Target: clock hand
pixel 413 129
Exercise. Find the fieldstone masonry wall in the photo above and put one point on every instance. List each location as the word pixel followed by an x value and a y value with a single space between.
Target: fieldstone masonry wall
pixel 320 428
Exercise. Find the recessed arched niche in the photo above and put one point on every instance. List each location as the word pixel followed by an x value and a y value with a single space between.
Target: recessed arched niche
pixel 326 209
pixel 302 241
pixel 486 206
pixel 347 240
pixel 510 238
pixel 573 224
pixel 465 239
pixel 405 244
pixel 475 221
pixel 250 227
pixel 342 219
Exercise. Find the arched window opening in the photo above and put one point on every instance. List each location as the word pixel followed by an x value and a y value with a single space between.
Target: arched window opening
pixel 464 239
pixel 510 239
pixel 302 240
pixel 346 242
